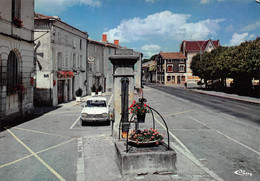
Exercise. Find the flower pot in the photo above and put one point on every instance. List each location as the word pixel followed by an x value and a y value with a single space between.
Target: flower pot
pixel 141 118
pixel 144 144
pixel 78 99
pixel 93 94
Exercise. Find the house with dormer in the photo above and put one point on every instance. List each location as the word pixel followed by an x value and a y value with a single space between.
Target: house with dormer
pixel 190 49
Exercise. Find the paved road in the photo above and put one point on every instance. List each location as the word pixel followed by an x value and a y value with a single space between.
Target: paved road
pixel 46 147
pixel 222 134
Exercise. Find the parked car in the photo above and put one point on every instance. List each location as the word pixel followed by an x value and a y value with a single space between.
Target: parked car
pixel 95 109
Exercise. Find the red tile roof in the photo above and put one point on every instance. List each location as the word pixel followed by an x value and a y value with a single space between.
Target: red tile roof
pixel 172 55
pixel 194 46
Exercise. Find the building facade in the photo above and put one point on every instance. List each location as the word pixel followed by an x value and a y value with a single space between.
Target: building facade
pixel 16 58
pixel 191 48
pixel 99 68
pixel 171 68
pixel 61 54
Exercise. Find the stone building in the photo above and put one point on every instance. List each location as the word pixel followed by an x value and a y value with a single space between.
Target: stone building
pixel 191 48
pixel 61 54
pixel 16 58
pixel 171 68
pixel 99 67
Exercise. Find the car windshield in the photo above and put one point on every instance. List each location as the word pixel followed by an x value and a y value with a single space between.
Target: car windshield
pixel 96 103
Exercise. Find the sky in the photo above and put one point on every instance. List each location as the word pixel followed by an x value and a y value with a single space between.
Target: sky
pixel 151 26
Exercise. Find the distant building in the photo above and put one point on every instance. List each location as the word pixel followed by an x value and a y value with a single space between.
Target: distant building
pixel 149 71
pixel 99 68
pixel 61 60
pixel 171 68
pixel 16 58
pixel 191 48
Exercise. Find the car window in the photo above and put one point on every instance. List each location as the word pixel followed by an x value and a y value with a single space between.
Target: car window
pixel 95 103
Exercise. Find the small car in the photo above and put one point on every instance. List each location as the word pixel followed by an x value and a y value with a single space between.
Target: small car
pixel 95 110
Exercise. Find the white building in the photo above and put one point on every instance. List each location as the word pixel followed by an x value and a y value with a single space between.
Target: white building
pixel 191 48
pixel 16 58
pixel 61 60
pixel 100 69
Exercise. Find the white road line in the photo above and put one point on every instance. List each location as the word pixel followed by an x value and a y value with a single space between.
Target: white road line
pixel 75 123
pixel 238 142
pixel 233 117
pixel 183 146
pixel 227 137
pixel 80 161
pixel 243 107
pixel 200 122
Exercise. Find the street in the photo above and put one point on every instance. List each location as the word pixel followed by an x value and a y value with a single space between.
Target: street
pixel 221 134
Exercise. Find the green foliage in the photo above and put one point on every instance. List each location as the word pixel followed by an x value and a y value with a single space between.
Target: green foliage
pixel 242 63
pixel 93 88
pixel 100 88
pixel 79 92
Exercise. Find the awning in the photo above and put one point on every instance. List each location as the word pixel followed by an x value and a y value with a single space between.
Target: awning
pixel 64 74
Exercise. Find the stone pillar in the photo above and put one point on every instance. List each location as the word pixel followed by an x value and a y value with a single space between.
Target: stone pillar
pixel 123 62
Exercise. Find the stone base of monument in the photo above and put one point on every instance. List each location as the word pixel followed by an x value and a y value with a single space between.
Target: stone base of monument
pixel 145 160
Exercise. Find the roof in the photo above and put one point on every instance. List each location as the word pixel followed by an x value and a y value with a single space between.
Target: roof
pixel 41 16
pixel 196 46
pixel 38 16
pixel 104 43
pixel 172 55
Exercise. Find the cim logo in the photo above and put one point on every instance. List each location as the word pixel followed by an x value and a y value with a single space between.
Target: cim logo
pixel 243 173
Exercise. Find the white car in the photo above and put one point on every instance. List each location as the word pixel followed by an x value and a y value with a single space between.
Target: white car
pixel 95 110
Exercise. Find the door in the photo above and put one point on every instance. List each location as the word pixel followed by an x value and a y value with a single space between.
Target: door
pixel 60 91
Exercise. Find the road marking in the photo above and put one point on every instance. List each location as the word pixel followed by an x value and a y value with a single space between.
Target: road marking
pixel 165 115
pixel 75 123
pixel 243 107
pixel 55 146
pixel 40 132
pixel 191 130
pixel 238 142
pixel 80 161
pixel 184 150
pixel 233 117
pixel 183 146
pixel 199 122
pixel 37 156
pixel 228 137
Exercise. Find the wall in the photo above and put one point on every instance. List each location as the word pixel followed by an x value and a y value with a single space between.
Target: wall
pixel 20 41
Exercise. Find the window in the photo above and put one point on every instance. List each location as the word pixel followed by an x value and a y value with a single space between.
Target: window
pixel 81 62
pixel 16 9
pixel 169 68
pixel 168 78
pixel 12 71
pixel 80 44
pixel 67 61
pixel 59 60
pixel 181 61
pixel 74 60
pixel 181 68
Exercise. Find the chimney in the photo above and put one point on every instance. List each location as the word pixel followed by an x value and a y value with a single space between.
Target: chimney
pixel 116 42
pixel 104 37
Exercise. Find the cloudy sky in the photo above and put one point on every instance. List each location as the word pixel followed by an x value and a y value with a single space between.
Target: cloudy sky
pixel 150 26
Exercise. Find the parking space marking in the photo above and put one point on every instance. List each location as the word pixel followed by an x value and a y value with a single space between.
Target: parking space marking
pixel 200 122
pixel 37 156
pixel 75 123
pixel 166 115
pixel 55 146
pixel 40 132
pixel 109 102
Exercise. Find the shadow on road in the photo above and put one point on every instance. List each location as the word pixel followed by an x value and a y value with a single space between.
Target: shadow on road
pixel 38 112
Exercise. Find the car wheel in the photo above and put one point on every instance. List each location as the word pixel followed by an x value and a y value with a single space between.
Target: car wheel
pixel 82 123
